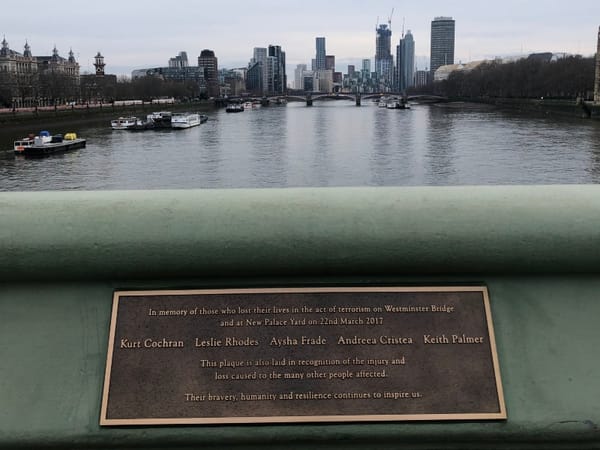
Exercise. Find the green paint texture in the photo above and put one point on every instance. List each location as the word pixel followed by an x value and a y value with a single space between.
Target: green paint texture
pixel 537 249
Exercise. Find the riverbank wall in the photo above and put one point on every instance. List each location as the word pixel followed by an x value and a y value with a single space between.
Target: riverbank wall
pixel 82 114
pixel 564 108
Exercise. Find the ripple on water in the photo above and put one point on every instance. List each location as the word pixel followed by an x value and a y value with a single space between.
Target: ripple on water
pixel 330 144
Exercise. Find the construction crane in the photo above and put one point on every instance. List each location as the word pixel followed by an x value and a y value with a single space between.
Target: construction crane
pixel 390 19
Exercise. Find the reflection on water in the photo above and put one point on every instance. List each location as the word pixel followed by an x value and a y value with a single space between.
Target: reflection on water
pixel 329 144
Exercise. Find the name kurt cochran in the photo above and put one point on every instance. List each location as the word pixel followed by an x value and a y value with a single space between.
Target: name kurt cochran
pixel 288 341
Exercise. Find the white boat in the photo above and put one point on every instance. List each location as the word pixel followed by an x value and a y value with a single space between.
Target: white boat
pixel 185 120
pixel 383 101
pixel 20 145
pixel 234 108
pixel 397 103
pixel 161 119
pixel 252 105
pixel 122 123
pixel 57 144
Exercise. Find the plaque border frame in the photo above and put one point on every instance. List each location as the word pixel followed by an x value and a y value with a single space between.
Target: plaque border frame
pixel 500 415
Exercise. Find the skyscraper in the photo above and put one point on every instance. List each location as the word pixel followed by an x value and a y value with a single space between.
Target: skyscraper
pixel 277 79
pixel 330 62
pixel 366 66
pixel 321 59
pixel 257 71
pixel 266 71
pixel 365 74
pixel 299 76
pixel 384 61
pixel 208 61
pixel 405 62
pixel 421 78
pixel 442 43
pixel 181 60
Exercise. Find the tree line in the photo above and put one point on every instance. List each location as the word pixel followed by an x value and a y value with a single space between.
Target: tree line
pixel 533 77
pixel 47 86
pixel 57 88
pixel 148 88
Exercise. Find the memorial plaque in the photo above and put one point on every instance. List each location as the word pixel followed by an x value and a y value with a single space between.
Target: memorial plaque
pixel 301 355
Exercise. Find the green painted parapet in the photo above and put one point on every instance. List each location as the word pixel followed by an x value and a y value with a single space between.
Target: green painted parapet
pixel 537 249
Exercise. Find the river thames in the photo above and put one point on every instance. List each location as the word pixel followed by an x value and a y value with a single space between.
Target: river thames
pixel 330 144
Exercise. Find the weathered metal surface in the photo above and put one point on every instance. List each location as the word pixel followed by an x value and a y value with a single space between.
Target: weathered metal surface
pixel 300 355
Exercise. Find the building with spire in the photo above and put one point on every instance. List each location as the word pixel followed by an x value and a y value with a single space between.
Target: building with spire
pixel 99 64
pixel 98 87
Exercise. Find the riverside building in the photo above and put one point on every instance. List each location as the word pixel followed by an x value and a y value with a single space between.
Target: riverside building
pixel 27 80
pixel 208 64
pixel 205 76
pixel 384 61
pixel 98 87
pixel 321 57
pixel 405 62
pixel 266 71
pixel 299 76
pixel 442 43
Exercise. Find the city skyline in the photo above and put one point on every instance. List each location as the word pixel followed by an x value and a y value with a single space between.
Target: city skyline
pixel 150 36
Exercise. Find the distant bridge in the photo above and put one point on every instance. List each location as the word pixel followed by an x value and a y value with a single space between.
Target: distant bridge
pixel 311 97
pixel 357 98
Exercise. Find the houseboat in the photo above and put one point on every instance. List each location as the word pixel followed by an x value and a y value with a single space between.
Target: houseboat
pixel 57 144
pixel 185 120
pixel 123 123
pixel 21 144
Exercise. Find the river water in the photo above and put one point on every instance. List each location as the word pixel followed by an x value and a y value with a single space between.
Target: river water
pixel 330 144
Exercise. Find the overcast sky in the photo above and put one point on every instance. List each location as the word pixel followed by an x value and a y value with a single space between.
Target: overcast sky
pixel 137 34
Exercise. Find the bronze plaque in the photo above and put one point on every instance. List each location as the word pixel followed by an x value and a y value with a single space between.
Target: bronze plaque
pixel 301 355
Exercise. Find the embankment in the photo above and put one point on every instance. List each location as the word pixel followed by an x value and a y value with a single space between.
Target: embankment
pixel 83 115
pixel 567 108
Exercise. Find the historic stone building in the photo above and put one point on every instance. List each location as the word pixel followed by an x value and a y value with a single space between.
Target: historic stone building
pixel 27 80
pixel 98 87
pixel 18 75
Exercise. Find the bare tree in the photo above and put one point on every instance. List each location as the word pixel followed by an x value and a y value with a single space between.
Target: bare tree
pixel 566 78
